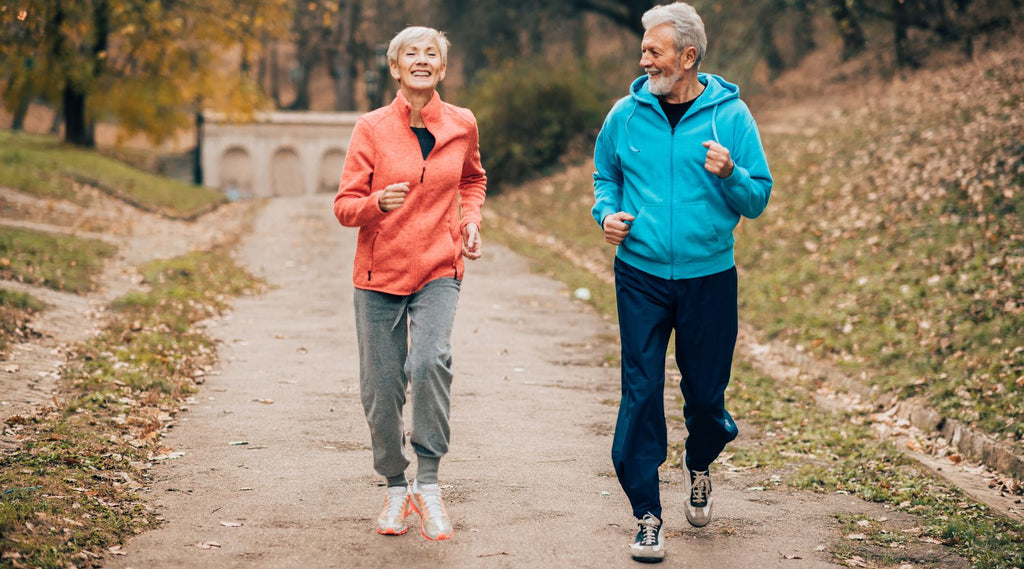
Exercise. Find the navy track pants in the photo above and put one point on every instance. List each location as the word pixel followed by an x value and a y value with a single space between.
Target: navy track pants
pixel 702 312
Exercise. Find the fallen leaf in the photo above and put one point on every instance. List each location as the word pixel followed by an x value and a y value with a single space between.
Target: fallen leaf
pixel 231 524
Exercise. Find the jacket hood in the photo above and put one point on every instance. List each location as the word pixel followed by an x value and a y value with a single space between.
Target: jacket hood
pixel 718 91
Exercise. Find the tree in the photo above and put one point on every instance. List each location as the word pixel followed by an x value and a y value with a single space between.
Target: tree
pixel 626 13
pixel 142 63
pixel 848 24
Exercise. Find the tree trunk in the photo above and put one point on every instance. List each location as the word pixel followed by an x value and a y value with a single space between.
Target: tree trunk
pixel 803 40
pixel 76 130
pixel 197 156
pixel 275 76
pixel 899 22
pixel 849 28
pixel 769 14
pixel 21 90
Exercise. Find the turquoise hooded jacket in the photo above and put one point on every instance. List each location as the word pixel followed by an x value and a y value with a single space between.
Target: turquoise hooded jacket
pixel 685 215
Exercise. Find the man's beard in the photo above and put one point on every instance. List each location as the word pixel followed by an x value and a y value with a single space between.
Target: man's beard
pixel 661 85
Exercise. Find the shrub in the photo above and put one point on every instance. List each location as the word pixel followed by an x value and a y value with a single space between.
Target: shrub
pixel 530 114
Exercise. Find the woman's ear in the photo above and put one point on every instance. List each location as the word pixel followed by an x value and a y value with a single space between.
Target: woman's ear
pixel 393 65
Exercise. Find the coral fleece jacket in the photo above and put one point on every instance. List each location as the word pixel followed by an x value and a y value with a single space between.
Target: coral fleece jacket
pixel 401 250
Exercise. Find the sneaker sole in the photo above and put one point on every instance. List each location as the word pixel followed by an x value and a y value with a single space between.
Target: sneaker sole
pixel 392 532
pixel 649 559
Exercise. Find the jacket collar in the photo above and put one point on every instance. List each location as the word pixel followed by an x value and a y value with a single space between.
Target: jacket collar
pixel 431 112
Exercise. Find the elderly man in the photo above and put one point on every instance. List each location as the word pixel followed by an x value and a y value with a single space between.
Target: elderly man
pixel 678 162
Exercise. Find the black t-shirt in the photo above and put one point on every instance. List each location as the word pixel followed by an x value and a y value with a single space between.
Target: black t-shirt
pixel 427 140
pixel 675 111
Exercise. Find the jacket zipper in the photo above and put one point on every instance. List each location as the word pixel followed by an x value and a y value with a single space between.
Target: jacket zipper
pixel 671 202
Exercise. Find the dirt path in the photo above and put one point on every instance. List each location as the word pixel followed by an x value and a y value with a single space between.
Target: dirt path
pixel 527 480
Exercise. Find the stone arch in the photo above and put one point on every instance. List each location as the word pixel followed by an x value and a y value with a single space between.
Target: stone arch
pixel 286 173
pixel 331 164
pixel 236 175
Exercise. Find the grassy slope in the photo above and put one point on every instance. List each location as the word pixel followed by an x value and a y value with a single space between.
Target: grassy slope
pixel 43 166
pixel 894 242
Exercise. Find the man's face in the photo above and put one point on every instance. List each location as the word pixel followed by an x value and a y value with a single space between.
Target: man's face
pixel 659 60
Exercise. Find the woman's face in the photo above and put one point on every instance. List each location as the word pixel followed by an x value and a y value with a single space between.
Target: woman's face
pixel 419 66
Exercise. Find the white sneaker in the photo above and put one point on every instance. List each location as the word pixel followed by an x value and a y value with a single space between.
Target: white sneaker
pixel 699 503
pixel 427 502
pixel 649 544
pixel 397 505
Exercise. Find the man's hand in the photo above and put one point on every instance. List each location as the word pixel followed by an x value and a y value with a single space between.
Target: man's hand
pixel 616 227
pixel 472 244
pixel 718 161
pixel 393 196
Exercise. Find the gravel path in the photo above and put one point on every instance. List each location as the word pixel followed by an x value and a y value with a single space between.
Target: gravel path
pixel 527 481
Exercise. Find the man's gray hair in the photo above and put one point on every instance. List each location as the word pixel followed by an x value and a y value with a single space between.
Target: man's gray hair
pixel 686 23
pixel 417 34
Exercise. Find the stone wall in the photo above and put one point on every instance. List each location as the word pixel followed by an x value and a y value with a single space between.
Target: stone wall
pixel 277 154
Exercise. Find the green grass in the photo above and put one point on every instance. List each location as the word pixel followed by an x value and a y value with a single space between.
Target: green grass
pixel 42 166
pixel 894 246
pixel 59 262
pixel 836 452
pixel 68 492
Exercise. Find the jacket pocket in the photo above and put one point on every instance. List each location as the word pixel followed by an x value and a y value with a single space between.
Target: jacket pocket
pixel 692 228
pixel 373 253
pixel 662 231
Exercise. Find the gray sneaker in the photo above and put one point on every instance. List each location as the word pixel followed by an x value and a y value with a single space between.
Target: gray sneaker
pixel 700 503
pixel 649 544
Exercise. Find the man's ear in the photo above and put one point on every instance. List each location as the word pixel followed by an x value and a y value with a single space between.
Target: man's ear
pixel 689 58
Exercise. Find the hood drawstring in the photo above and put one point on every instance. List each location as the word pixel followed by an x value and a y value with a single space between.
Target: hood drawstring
pixel 714 124
pixel 629 140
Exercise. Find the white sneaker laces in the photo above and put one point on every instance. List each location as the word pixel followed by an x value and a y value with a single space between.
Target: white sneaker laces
pixel 648 531
pixel 432 500
pixel 395 498
pixel 701 487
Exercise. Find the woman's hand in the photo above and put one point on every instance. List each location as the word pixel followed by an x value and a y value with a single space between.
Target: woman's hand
pixel 472 245
pixel 393 196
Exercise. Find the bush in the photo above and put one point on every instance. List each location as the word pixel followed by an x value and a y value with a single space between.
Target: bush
pixel 530 114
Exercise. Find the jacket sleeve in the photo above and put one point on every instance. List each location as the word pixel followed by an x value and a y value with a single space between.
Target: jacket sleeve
pixel 473 184
pixel 608 178
pixel 749 186
pixel 355 204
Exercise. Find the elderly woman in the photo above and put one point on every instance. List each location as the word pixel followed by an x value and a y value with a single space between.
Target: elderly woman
pixel 413 185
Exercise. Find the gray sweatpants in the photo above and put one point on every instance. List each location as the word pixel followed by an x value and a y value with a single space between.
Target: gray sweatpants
pixel 403 340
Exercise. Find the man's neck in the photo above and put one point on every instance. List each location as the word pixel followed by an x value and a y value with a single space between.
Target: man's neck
pixel 685 90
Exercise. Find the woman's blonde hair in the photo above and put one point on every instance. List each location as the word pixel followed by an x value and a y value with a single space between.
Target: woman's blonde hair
pixel 417 34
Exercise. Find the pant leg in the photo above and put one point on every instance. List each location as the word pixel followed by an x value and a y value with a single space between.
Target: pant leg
pixel 640 444
pixel 381 334
pixel 706 327
pixel 429 368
